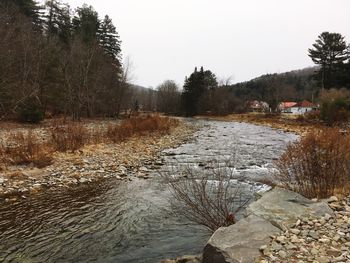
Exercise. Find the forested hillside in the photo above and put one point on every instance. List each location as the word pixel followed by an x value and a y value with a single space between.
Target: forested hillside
pixel 290 86
pixel 56 60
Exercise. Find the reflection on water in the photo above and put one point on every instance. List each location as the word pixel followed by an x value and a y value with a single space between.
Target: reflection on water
pixel 115 221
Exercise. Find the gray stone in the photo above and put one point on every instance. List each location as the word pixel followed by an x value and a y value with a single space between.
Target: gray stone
pixel 295 231
pixel 313 234
pixel 283 208
pixel 327 216
pixel 239 242
pixel 332 199
pixel 282 254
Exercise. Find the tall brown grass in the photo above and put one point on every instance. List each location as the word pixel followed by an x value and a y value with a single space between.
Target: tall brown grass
pixel 69 136
pixel 25 148
pixel 318 165
pixel 141 125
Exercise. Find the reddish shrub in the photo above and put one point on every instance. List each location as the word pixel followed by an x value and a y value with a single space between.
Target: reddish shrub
pixel 318 165
pixel 25 149
pixel 141 125
pixel 68 137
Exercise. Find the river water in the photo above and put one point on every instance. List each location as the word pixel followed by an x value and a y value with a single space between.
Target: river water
pixel 126 221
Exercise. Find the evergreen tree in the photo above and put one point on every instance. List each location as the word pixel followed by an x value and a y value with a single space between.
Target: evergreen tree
pixel 109 39
pixel 86 24
pixel 330 52
pixel 196 88
pixel 29 8
pixel 58 20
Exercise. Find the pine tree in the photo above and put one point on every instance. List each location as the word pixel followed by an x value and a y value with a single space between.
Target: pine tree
pixel 58 21
pixel 109 39
pixel 330 52
pixel 86 24
pixel 196 87
pixel 29 8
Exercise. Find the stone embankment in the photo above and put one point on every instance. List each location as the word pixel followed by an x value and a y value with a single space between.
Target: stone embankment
pixel 134 157
pixel 283 226
pixel 314 239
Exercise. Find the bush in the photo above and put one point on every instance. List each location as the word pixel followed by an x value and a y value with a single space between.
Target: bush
pixel 318 165
pixel 209 198
pixel 335 112
pixel 30 112
pixel 140 125
pixel 68 137
pixel 25 149
pixel 312 115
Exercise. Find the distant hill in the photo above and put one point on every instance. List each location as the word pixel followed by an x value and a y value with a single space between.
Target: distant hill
pixel 295 85
pixel 146 98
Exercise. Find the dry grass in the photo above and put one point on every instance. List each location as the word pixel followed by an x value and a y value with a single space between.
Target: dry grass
pixel 25 148
pixel 318 165
pixel 141 125
pixel 68 137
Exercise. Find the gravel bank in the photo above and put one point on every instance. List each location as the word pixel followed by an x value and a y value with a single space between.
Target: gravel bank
pixel 91 163
pixel 325 239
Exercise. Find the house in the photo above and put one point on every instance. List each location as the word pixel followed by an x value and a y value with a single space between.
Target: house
pixel 257 106
pixel 285 106
pixel 299 108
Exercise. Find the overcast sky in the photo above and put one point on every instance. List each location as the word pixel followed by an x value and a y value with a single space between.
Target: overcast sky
pixel 166 39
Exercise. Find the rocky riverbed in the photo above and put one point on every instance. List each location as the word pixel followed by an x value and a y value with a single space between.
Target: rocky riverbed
pixel 91 163
pixel 314 239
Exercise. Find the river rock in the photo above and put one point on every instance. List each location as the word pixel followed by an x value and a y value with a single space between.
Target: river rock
pixel 239 242
pixel 283 208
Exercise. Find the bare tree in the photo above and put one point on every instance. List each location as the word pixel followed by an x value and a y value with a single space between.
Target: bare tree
pixel 168 97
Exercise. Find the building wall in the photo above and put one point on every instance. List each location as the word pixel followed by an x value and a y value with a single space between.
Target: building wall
pixel 299 110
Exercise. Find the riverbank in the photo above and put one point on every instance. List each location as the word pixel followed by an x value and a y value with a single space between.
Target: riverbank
pixel 314 239
pixel 283 226
pixel 284 122
pixel 91 162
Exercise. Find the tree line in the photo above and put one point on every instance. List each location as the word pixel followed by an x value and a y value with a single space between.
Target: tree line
pixel 56 60
pixel 59 61
pixel 202 94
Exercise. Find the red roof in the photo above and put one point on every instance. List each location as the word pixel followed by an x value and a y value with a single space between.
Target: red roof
pixel 304 104
pixel 287 104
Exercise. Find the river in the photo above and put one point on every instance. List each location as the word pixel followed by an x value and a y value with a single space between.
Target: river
pixel 126 221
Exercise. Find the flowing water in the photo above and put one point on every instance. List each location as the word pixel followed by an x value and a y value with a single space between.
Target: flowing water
pixel 126 221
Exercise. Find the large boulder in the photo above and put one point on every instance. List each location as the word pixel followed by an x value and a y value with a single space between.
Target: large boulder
pixel 239 242
pixel 282 208
pixel 276 210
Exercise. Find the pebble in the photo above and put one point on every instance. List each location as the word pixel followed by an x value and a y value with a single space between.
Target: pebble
pixel 314 239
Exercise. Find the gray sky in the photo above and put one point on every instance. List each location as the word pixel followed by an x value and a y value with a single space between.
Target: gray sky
pixel 166 39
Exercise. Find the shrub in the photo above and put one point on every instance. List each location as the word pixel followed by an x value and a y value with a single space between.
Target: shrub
pixel 140 125
pixel 30 111
pixel 335 106
pixel 25 149
pixel 312 115
pixel 68 137
pixel 208 198
pixel 317 165
pixel 335 112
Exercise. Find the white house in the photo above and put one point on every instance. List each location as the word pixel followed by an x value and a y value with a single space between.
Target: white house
pixel 301 107
pixel 286 105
